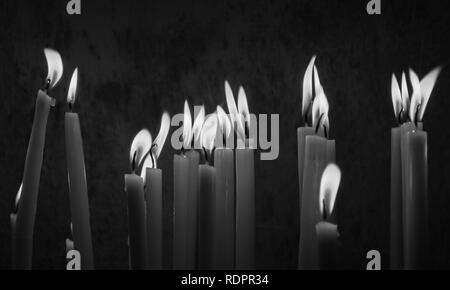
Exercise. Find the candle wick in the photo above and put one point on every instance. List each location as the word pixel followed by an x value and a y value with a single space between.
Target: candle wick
pixel 206 155
pixel 417 115
pixel 47 85
pixel 399 116
pixel 319 122
pixel 152 155
pixel 324 210
pixel 133 163
pixel 70 106
pixel 325 130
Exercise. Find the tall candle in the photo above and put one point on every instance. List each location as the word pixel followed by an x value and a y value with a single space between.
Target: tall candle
pixel 134 187
pixel 192 208
pixel 245 180
pixel 396 205
pixel 182 259
pixel 23 238
pixel 153 196
pixel 318 152
pixel 224 236
pixel 327 233
pixel 180 211
pixel 206 205
pixel 416 203
pixel 79 202
pixel 206 212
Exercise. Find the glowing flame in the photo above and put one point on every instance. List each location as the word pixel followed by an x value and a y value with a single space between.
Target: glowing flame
pixel 320 111
pixel 415 98
pixel 329 186
pixel 224 122
pixel 140 147
pixel 209 131
pixel 162 135
pixel 308 88
pixel 71 94
pixel 198 123
pixel 426 87
pixel 244 112
pixel 239 115
pixel 18 195
pixel 405 94
pixel 55 66
pixel 187 126
pixel 396 96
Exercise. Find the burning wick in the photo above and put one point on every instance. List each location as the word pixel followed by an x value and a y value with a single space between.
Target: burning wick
pixel 324 214
pixel 318 125
pixel 133 164
pixel 47 85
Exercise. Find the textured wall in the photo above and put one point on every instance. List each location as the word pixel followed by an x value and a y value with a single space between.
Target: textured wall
pixel 138 58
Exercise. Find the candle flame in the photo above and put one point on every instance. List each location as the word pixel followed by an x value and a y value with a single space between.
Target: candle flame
pixel 329 186
pixel 71 94
pixel 18 195
pixel 426 87
pixel 320 111
pixel 187 126
pixel 198 123
pixel 396 96
pixel 231 104
pixel 224 122
pixel 244 113
pixel 140 147
pixel 415 98
pixel 308 88
pixel 209 131
pixel 405 94
pixel 162 135
pixel 55 66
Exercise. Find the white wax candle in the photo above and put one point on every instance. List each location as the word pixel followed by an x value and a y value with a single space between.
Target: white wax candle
pixel 206 212
pixel 153 197
pixel 396 217
pixel 76 172
pixel 416 202
pixel 245 209
pixel 224 227
pixel 23 238
pixel 180 211
pixel 192 208
pixel 134 188
pixel 315 162
pixel 327 238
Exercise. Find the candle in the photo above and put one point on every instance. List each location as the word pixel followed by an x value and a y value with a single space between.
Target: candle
pixel 134 187
pixel 206 205
pixel 319 151
pixel 76 172
pixel 408 243
pixel 152 177
pixel 245 181
pixel 193 190
pixel 181 184
pixel 23 238
pixel 224 227
pixel 13 220
pixel 327 233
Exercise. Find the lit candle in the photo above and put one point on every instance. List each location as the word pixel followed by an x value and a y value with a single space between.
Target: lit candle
pixel 415 213
pixel 23 238
pixel 396 206
pixel 76 172
pixel 245 181
pixel 134 188
pixel 193 190
pixel 319 151
pixel 225 214
pixel 152 177
pixel 182 229
pixel 327 232
pixel 69 242
pixel 206 210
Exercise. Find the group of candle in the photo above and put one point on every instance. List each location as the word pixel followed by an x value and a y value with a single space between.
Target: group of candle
pixel 213 194
pixel 214 190
pixel 318 241
pixel 409 172
pixel 22 220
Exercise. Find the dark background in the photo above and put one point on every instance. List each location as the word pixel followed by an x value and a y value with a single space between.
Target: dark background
pixel 138 58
